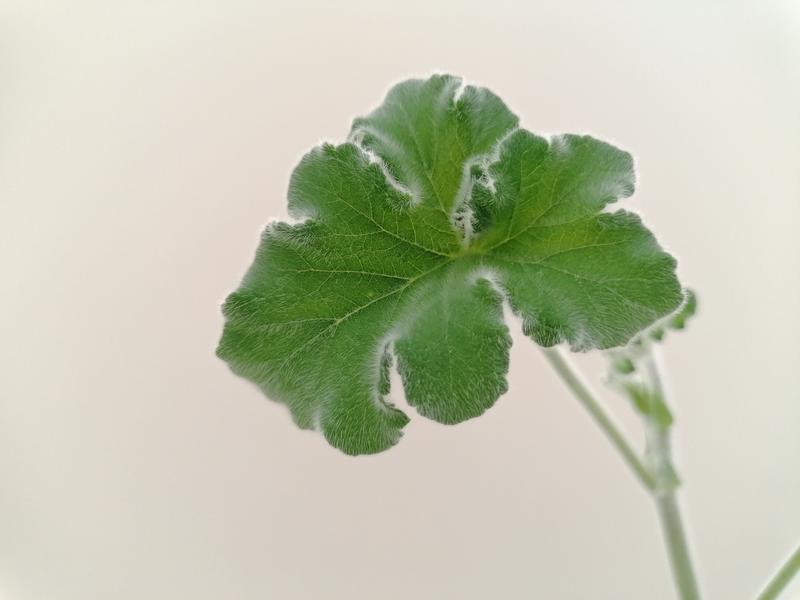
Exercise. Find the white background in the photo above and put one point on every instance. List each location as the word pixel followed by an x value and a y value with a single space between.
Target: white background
pixel 143 145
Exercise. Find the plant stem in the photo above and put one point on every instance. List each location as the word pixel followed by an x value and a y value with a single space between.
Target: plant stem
pixel 658 476
pixel 659 454
pixel 595 409
pixel 675 538
pixel 669 513
pixel 782 578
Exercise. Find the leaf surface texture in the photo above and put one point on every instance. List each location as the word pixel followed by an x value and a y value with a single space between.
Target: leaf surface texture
pixel 413 234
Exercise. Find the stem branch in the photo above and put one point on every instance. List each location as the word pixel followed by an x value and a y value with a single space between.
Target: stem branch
pixel 595 409
pixel 657 475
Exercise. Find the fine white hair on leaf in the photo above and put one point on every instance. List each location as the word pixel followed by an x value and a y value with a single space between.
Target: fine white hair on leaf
pixel 461 205
pixel 288 220
pixel 410 189
pixel 460 90
pixel 491 276
pixel 620 196
pixel 316 419
pixel 486 180
pixel 384 346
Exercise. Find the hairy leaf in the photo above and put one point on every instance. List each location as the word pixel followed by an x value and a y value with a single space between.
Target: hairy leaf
pixel 627 365
pixel 675 321
pixel 412 235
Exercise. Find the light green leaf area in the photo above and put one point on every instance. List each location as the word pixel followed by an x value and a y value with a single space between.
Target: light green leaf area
pixel 676 321
pixel 411 237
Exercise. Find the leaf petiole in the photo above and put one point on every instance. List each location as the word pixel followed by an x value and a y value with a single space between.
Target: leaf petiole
pixel 570 376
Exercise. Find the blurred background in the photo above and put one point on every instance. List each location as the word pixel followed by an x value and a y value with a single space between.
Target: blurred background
pixel 144 145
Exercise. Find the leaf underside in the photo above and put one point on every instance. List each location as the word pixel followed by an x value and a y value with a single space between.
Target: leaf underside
pixel 413 234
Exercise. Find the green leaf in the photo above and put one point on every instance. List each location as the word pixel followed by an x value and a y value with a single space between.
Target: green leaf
pixel 649 403
pixel 412 236
pixel 676 321
pixel 686 311
pixel 623 366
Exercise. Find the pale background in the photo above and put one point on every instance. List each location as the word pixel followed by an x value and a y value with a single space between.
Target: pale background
pixel 143 145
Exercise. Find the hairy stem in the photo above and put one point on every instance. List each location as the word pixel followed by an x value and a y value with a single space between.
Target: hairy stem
pixel 595 409
pixel 782 578
pixel 659 455
pixel 669 513
pixel 657 475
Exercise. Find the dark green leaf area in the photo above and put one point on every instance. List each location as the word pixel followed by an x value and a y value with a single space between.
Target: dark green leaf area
pixel 410 239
